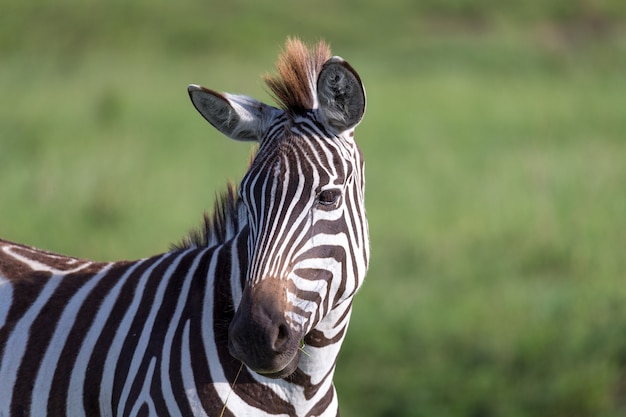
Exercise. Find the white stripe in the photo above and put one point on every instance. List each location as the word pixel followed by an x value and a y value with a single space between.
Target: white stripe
pixel 16 344
pixel 108 373
pixel 39 266
pixel 144 338
pixel 168 394
pixel 48 366
pixel 144 395
pixel 217 373
pixel 6 299
pixel 188 379
pixel 220 383
pixel 75 392
pixel 235 274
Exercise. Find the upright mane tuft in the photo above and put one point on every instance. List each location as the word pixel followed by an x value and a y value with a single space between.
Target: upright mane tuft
pixel 294 87
pixel 219 226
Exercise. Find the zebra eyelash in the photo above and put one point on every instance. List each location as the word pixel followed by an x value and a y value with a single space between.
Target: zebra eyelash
pixel 329 198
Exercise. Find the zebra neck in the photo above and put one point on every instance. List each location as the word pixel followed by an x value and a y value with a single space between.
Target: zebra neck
pixel 309 388
pixel 322 345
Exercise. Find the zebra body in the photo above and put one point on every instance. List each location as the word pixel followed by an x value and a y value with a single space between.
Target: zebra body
pixel 218 325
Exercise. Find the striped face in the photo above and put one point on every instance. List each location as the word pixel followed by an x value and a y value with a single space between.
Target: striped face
pixel 307 245
pixel 307 231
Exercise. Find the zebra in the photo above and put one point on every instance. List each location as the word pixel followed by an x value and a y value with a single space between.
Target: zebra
pixel 246 315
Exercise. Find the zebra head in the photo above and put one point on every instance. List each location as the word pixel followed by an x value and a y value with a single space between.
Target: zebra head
pixel 303 197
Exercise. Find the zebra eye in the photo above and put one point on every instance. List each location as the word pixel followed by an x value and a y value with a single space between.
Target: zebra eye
pixel 329 197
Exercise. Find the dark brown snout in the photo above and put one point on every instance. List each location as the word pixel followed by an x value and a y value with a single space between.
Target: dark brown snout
pixel 259 334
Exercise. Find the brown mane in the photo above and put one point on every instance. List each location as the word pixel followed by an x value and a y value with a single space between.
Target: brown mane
pixel 294 87
pixel 217 227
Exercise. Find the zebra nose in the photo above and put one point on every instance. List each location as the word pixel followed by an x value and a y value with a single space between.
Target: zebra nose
pixel 282 338
pixel 259 332
pixel 260 336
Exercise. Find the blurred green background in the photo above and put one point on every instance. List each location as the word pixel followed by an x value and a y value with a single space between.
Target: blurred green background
pixel 495 145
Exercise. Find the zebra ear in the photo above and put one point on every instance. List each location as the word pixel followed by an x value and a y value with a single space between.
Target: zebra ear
pixel 238 117
pixel 340 95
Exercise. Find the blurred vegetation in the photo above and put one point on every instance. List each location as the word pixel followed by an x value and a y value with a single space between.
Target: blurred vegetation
pixel 495 143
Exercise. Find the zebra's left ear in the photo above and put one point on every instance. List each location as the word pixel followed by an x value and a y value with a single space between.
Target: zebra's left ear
pixel 238 117
pixel 340 95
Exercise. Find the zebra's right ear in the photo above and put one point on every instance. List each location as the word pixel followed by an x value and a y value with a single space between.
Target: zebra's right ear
pixel 238 117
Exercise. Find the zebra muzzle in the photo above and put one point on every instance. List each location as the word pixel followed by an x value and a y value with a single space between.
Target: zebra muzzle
pixel 259 334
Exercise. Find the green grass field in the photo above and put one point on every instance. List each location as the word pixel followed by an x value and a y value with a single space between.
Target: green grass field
pixel 495 146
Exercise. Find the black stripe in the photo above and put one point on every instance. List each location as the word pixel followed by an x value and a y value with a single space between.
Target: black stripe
pixel 154 347
pixel 41 331
pixel 84 320
pixel 95 367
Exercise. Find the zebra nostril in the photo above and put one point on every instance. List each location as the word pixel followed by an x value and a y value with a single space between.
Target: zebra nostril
pixel 282 338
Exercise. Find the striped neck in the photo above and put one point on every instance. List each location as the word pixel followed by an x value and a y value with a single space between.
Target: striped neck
pixel 309 388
